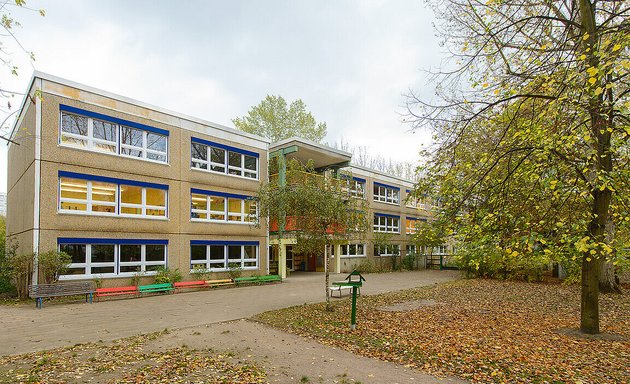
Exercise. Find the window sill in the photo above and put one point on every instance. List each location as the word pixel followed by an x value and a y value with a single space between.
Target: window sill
pixel 113 154
pixel 125 275
pixel 388 203
pixel 112 215
pixel 221 222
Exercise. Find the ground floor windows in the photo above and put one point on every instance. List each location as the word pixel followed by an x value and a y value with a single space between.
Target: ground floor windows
pixel 353 250
pixel 223 255
pixel 112 257
pixel 387 250
pixel 412 249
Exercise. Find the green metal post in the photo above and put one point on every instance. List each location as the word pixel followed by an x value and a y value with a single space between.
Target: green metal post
pixel 353 316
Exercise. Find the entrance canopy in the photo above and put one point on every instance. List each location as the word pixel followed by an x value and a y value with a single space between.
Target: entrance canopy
pixel 323 157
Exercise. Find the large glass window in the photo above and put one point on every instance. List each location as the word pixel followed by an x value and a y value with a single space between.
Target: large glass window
pixel 386 194
pixel 76 195
pixel 389 224
pixel 85 132
pixel 146 145
pixel 110 260
pixel 387 250
pixel 208 207
pixel 411 226
pixel 353 250
pixel 101 135
pixel 220 160
pixel 109 198
pixel 221 257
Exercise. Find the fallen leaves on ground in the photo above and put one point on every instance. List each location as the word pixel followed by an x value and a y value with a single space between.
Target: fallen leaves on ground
pixel 479 330
pixel 125 361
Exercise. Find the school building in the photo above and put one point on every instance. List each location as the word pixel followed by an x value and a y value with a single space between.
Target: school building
pixel 126 188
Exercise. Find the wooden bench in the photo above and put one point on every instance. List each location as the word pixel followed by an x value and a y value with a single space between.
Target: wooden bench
pixel 190 284
pixel 152 288
pixel 257 279
pixel 219 283
pixel 40 291
pixel 117 291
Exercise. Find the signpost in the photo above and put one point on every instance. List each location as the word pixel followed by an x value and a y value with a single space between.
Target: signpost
pixel 354 280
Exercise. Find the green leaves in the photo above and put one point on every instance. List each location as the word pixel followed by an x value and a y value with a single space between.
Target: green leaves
pixel 273 119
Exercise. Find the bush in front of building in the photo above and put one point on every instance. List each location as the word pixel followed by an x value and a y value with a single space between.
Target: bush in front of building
pixel 167 275
pixel 52 264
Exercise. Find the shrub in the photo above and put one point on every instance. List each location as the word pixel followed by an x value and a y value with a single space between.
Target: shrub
pixel 20 268
pixel 167 275
pixel 7 251
pixel 200 273
pixel 135 279
pixel 52 264
pixel 409 262
pixel 234 270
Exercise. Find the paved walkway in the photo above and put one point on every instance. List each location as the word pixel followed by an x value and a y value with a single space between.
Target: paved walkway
pixel 26 329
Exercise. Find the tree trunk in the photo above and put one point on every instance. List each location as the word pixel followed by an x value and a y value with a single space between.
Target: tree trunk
pixel 326 269
pixel 608 279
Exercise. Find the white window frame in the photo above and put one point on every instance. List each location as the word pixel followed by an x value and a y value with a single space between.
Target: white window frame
pixel 144 206
pixel 386 195
pixel 90 140
pixel 116 263
pixel 226 260
pixel 144 150
pixel 345 253
pixel 245 218
pixel 89 202
pixel 441 250
pixel 411 249
pixel 390 250
pixel 226 163
pixel 355 188
pixel 386 224
pixel 413 230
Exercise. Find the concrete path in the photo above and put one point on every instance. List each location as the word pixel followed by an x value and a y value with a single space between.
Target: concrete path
pixel 201 320
pixel 26 329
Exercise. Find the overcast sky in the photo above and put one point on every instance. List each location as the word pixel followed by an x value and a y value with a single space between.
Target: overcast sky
pixel 350 61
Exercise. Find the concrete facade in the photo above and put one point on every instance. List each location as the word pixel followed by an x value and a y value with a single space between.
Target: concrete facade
pixel 38 160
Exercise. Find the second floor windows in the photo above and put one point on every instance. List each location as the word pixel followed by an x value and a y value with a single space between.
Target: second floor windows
pixel 386 193
pixel 89 194
pixel 102 133
pixel 356 187
pixel 219 206
pixel 215 157
pixel 386 223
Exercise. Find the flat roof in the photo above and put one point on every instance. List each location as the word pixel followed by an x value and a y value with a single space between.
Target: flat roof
pixel 322 155
pixel 100 92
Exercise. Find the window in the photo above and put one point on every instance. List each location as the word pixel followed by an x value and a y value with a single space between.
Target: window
pixel 96 195
pixel 411 201
pixel 142 144
pixel 411 226
pixel 112 257
pixel 387 250
pixel 142 201
pixel 353 250
pixel 386 223
pixel 97 132
pixel 440 250
pixel 222 255
pixel 76 195
pixel 355 187
pixel 219 206
pixel 215 157
pixel 386 193
pixel 412 249
pixel 81 131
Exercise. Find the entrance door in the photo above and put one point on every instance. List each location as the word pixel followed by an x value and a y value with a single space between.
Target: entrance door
pixel 312 263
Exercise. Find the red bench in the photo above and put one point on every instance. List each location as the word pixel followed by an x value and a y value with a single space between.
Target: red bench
pixel 117 291
pixel 190 284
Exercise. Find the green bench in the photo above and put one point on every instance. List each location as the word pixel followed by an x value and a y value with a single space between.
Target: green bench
pixel 257 279
pixel 152 288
